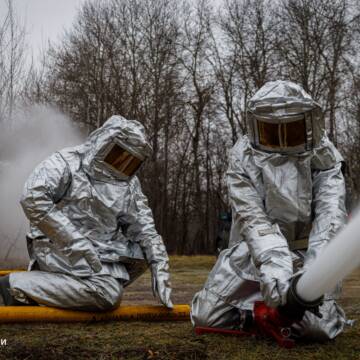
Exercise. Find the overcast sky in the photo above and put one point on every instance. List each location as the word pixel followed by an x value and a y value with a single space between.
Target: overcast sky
pixel 44 19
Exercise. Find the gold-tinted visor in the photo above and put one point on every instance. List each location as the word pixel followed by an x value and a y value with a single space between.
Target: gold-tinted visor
pixel 122 160
pixel 283 135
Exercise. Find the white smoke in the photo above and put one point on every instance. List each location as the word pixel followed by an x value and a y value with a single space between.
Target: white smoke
pixel 32 135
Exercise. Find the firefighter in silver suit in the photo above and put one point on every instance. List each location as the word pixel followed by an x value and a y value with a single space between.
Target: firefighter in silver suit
pixel 287 195
pixel 92 232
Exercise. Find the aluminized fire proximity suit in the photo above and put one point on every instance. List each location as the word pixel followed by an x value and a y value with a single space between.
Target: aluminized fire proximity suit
pixel 287 195
pixel 92 232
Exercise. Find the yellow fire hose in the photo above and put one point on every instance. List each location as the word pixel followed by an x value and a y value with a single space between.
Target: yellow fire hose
pixel 22 314
pixel 7 272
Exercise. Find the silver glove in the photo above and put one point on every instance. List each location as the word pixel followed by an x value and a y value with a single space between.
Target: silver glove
pixel 160 280
pixel 275 273
pixel 274 291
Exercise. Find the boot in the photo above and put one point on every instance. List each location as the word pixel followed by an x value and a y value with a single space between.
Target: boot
pixel 7 298
pixel 246 320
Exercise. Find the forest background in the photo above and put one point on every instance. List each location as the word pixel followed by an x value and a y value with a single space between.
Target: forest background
pixel 186 70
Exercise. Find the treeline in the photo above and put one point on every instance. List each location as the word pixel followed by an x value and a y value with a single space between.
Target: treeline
pixel 186 71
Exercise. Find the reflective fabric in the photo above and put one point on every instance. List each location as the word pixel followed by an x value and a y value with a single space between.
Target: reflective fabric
pixel 98 292
pixel 86 218
pixel 123 161
pixel 210 309
pixel 277 201
pixel 282 117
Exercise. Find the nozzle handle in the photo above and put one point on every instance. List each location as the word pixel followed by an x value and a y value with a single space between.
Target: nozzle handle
pixel 295 306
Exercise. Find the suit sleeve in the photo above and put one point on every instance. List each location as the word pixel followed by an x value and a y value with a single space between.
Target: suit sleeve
pixel 44 188
pixel 328 207
pixel 142 228
pixel 268 247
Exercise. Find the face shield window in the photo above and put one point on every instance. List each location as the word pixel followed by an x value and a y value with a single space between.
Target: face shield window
pixel 122 160
pixel 282 135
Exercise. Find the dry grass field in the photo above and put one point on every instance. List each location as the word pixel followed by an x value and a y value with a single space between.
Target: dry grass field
pixel 140 340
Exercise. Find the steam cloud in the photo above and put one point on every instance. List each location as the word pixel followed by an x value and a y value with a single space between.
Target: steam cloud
pixel 32 135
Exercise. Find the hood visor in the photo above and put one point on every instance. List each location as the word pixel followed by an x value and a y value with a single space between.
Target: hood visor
pixel 121 160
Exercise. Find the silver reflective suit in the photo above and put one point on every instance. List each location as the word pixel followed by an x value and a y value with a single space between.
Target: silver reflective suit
pixel 286 205
pixel 92 232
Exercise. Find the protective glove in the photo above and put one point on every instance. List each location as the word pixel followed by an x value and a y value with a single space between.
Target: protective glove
pixel 275 274
pixel 160 280
pixel 274 291
pixel 84 249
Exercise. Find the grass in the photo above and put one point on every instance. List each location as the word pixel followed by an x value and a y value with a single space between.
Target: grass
pixel 139 340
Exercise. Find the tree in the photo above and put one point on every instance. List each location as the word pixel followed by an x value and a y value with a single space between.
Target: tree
pixel 12 56
pixel 315 53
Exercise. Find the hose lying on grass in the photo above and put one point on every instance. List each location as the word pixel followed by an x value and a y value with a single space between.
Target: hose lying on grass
pixel 22 314
pixel 7 272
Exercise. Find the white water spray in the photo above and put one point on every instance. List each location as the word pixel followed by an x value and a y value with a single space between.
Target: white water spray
pixel 33 134
pixel 337 260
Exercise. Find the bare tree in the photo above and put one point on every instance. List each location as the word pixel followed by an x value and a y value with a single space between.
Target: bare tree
pixel 313 39
pixel 187 73
pixel 200 88
pixel 12 55
pixel 248 30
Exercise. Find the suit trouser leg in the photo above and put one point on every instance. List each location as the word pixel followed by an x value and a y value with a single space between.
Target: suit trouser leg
pixel 99 292
pixel 5 294
pixel 226 294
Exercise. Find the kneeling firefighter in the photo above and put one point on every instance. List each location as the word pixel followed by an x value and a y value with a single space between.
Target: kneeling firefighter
pixel 92 232
pixel 287 195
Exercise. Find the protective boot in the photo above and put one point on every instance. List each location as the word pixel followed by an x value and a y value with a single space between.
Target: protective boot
pixel 246 320
pixel 7 298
